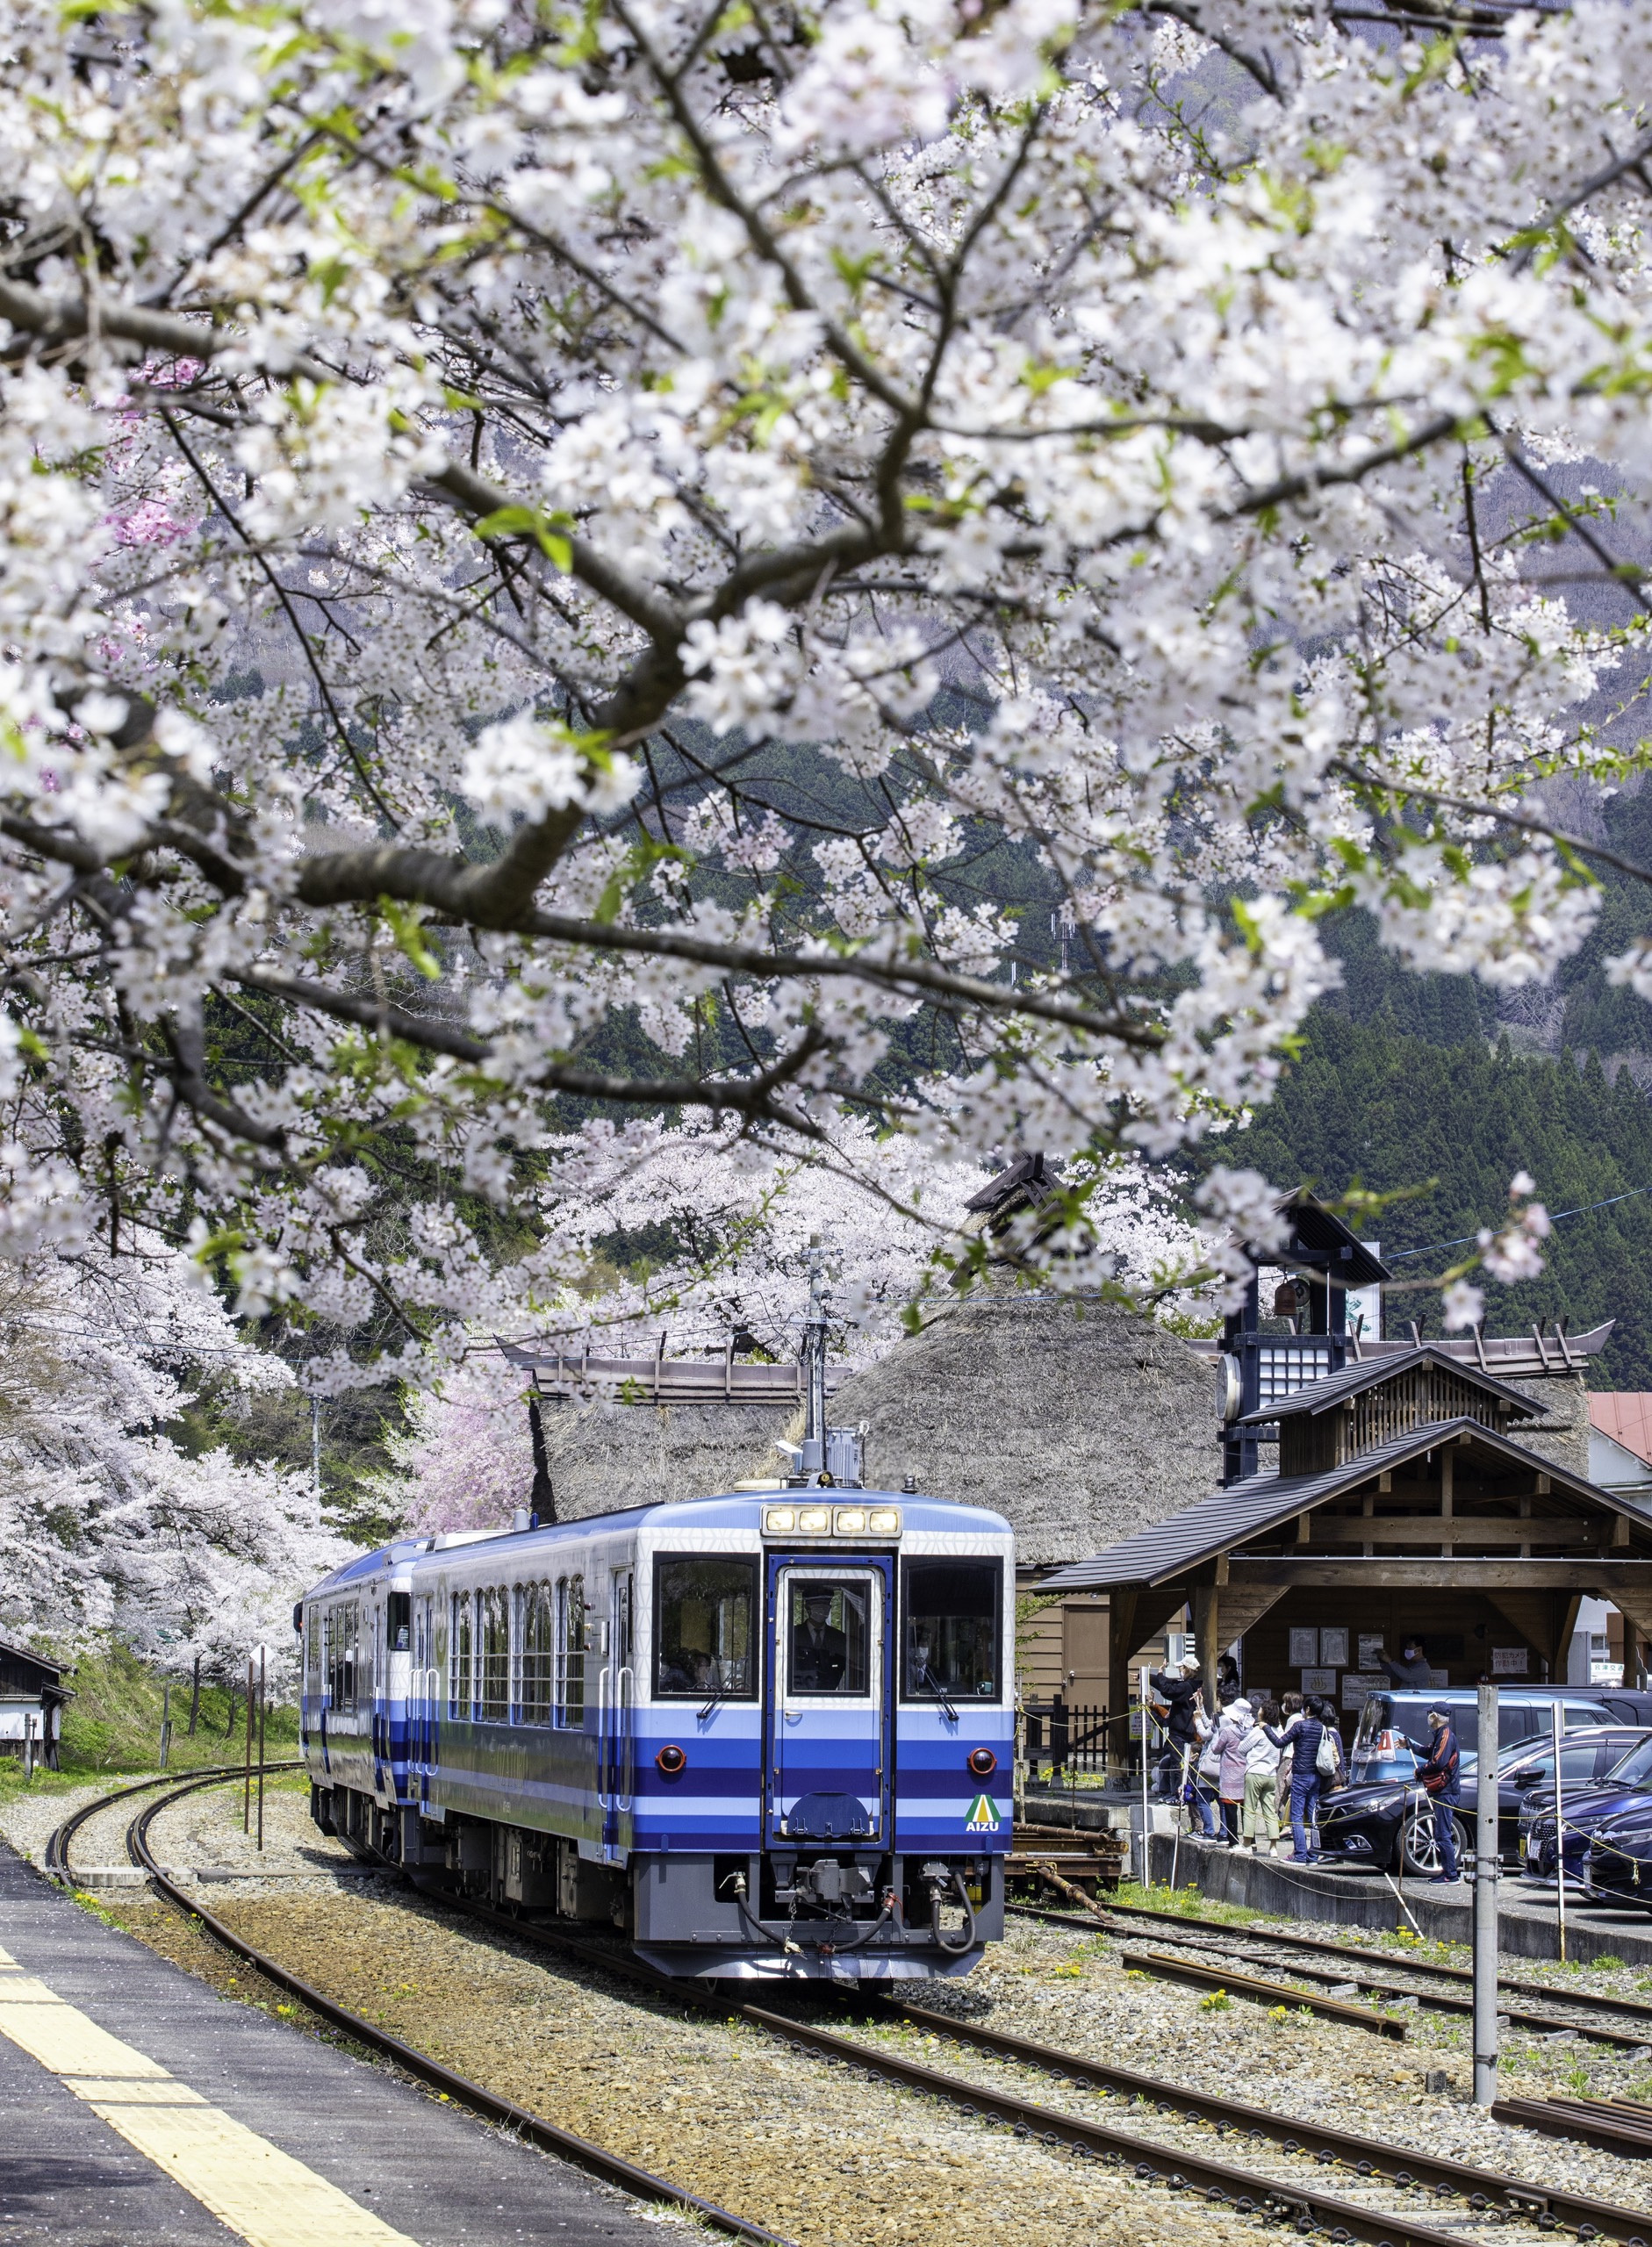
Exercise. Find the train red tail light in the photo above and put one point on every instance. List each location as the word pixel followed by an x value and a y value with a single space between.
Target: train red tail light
pixel 671 1761
pixel 983 1762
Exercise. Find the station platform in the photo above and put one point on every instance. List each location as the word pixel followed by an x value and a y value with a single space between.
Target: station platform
pixel 139 2108
pixel 1526 1913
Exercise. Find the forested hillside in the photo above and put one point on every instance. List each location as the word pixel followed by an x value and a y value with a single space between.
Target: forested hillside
pixel 1368 1105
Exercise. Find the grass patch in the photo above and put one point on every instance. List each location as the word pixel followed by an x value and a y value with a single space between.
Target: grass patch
pixel 112 1726
pixel 1186 1903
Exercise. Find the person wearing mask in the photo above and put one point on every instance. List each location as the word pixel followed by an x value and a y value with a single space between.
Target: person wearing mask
pixel 1442 1775
pixel 1236 1721
pixel 1176 1691
pixel 1262 1781
pixel 1411 1670
pixel 1305 1730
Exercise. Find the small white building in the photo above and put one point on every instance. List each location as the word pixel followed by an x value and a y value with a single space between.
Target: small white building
pixel 32 1697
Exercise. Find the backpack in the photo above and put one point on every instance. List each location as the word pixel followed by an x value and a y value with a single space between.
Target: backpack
pixel 1328 1756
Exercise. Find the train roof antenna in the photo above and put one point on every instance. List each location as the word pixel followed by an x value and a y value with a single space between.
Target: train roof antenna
pixel 813 1459
pixel 543 1503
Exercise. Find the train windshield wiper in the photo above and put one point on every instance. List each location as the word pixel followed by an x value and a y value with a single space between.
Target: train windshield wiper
pixel 718 1694
pixel 927 1676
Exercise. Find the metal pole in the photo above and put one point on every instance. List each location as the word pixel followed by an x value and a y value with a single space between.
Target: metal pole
pixel 315 1447
pixel 247 1781
pixel 1146 1861
pixel 166 1723
pixel 1488 1867
pixel 1560 1836
pixel 262 1709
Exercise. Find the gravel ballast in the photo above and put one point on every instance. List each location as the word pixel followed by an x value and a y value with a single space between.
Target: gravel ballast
pixel 825 2158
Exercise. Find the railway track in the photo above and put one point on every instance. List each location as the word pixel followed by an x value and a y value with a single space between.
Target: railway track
pixel 1293 2189
pixel 1258 1948
pixel 642 2183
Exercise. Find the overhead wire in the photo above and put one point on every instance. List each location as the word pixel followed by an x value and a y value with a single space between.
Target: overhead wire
pixel 1555 1217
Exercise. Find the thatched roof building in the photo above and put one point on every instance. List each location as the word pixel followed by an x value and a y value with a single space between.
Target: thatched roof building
pixel 604 1455
pixel 1080 1421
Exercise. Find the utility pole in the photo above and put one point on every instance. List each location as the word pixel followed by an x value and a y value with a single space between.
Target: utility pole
pixel 1560 1834
pixel 246 1781
pixel 315 1448
pixel 812 1460
pixel 1487 1868
pixel 166 1723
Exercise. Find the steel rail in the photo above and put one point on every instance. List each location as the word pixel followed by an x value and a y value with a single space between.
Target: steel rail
pixel 1402 2165
pixel 548 2136
pixel 1173 1967
pixel 1383 1986
pixel 1240 1943
pixel 1247 2191
pixel 58 1842
pixel 1622 2127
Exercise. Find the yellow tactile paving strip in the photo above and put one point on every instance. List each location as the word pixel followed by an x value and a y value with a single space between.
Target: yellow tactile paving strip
pixel 263 2195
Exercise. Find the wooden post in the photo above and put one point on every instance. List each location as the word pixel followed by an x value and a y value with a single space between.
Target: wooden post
pixel 166 1722
pixel 195 1695
pixel 247 1780
pixel 262 1712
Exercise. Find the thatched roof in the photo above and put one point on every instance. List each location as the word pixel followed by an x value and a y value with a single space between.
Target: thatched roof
pixel 1082 1421
pixel 604 1456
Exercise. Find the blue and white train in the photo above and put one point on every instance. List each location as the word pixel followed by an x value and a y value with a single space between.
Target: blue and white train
pixel 766 1734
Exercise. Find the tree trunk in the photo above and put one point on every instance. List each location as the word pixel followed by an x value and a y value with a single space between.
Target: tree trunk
pixel 195 1695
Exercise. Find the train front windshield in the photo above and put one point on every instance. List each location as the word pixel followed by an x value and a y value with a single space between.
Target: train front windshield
pixel 829 1630
pixel 951 1650
pixel 704 1609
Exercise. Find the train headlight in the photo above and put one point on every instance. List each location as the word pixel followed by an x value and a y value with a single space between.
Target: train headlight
pixel 884 1521
pixel 851 1521
pixel 672 1760
pixel 982 1762
pixel 815 1521
pixel 776 1520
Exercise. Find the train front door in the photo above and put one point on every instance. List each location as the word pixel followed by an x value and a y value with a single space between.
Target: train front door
pixel 827 1729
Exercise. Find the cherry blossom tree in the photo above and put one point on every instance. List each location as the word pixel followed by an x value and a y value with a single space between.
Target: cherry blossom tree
pixel 896 1237
pixel 461 461
pixel 106 1523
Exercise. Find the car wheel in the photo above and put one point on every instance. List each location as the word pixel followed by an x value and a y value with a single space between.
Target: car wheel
pixel 1419 1847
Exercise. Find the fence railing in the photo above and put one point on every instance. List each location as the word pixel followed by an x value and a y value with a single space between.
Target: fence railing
pixel 1065 1740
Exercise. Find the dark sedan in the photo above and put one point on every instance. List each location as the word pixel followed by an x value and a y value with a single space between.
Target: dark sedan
pixel 1623 1792
pixel 1525 1781
pixel 1390 1824
pixel 1386 1824
pixel 1619 1866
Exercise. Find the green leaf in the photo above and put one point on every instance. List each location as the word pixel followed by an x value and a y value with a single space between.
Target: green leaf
pixel 403 923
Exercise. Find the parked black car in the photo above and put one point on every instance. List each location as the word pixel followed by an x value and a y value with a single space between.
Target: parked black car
pixel 1623 1792
pixel 1619 1866
pixel 1389 1825
pixel 1526 1780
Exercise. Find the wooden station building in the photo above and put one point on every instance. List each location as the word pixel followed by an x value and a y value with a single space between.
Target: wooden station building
pixel 1403 1502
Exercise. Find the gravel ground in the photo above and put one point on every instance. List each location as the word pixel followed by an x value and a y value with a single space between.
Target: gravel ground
pixel 838 2162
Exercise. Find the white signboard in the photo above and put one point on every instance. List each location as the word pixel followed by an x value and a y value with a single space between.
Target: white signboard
pixel 1511 1662
pixel 1355 1688
pixel 1365 1305
pixel 1319 1681
pixel 1333 1649
pixel 1304 1648
pixel 1370 1650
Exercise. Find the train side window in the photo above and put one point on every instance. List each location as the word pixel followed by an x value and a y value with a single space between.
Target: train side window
pixel 950 1643
pixel 538 1655
pixel 399 1621
pixel 459 1672
pixel 340 1626
pixel 312 1649
pixel 703 1633
pixel 494 1637
pixel 570 1652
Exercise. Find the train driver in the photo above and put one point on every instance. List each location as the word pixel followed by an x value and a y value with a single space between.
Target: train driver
pixel 820 1651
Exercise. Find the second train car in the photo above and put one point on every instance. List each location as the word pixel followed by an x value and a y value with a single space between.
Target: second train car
pixel 765 1734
